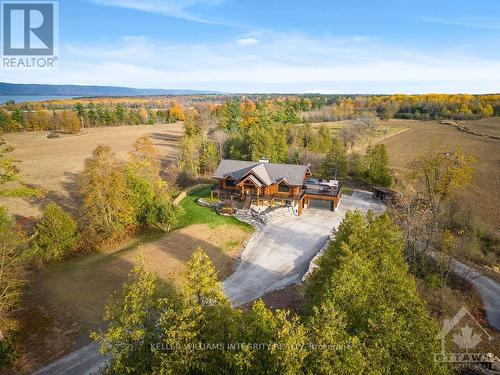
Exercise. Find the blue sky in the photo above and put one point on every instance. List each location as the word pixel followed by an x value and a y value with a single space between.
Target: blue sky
pixel 325 46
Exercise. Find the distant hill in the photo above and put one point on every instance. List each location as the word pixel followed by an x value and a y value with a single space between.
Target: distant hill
pixel 10 89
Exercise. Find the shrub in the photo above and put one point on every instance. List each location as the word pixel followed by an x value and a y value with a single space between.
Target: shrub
pixel 163 214
pixel 56 235
pixel 227 209
pixel 8 352
pixel 433 281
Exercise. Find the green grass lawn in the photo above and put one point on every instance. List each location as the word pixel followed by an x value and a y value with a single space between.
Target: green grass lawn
pixel 196 214
pixel 193 214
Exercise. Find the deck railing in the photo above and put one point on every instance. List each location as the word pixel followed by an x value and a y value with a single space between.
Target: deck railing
pixel 327 192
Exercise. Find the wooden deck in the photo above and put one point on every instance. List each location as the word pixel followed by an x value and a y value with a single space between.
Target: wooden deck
pixel 303 198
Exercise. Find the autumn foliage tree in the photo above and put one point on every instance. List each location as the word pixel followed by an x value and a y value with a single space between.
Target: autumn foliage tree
pixel 422 214
pixel 438 176
pixel 176 112
pixel 70 122
pixel 107 211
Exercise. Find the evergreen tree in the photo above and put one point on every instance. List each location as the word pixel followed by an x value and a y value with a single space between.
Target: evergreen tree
pixel 377 160
pixel 133 324
pixel 324 139
pixel 231 116
pixel 237 147
pixel 332 350
pixel 335 163
pixel 364 276
pixel 56 235
pixel 201 315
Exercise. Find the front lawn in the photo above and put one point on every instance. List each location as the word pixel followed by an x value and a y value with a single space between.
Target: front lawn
pixel 196 214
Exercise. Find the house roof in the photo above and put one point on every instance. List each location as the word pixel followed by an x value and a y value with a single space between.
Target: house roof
pixel 269 173
pixel 254 179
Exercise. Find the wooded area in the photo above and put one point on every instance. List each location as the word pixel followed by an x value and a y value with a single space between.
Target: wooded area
pixel 94 112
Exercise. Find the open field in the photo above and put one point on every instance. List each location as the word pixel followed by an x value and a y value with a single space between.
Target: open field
pixel 382 131
pixel 54 164
pixel 66 301
pixel 430 136
pixel 490 125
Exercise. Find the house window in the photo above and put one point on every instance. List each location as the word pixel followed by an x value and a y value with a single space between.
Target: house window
pixel 282 188
pixel 230 183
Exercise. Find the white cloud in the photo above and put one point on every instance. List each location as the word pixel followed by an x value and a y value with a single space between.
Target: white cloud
pixel 247 41
pixel 173 8
pixel 488 24
pixel 278 63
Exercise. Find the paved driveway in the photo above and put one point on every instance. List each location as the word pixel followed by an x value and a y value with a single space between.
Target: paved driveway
pixel 279 255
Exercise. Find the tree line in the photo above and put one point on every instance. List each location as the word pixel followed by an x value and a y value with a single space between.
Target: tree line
pixel 240 111
pixel 362 316
pixel 85 116
pixel 418 107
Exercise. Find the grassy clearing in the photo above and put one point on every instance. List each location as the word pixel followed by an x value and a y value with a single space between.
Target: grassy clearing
pixel 21 192
pixel 384 129
pixel 196 214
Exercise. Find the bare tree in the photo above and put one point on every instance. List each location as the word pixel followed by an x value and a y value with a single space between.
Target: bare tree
pixel 219 137
pixel 348 134
pixel 206 117
pixel 365 124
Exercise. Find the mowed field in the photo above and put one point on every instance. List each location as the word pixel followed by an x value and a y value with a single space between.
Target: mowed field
pixel 54 164
pixel 489 125
pixel 430 136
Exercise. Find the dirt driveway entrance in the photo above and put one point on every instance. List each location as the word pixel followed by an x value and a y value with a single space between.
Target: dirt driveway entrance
pixel 279 255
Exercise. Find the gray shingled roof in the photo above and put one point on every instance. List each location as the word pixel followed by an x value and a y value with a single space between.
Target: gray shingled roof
pixel 254 179
pixel 269 173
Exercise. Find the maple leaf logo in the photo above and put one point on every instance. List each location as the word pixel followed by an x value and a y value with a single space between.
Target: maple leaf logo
pixel 466 339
